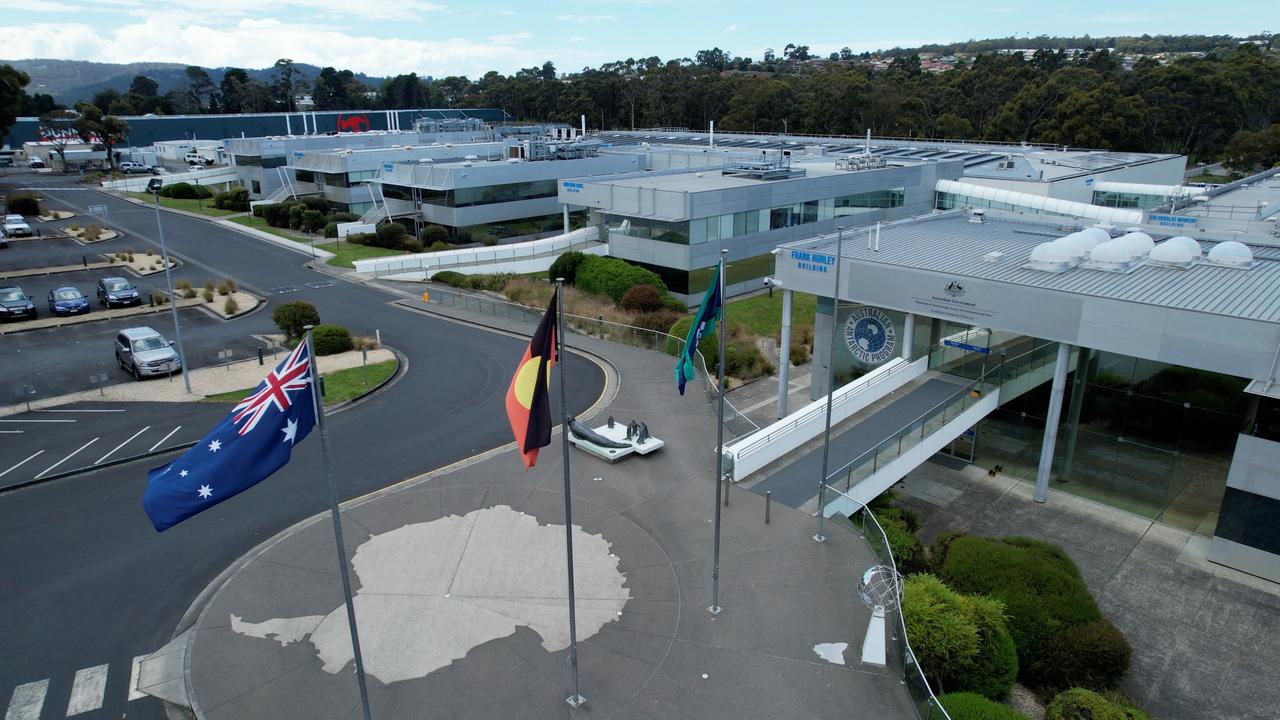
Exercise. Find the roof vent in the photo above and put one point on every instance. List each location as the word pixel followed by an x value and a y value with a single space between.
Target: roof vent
pixel 1177 252
pixel 978 216
pixel 1051 257
pixel 992 256
pixel 1096 234
pixel 1139 244
pixel 1231 254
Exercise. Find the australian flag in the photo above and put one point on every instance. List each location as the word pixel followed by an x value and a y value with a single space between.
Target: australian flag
pixel 255 440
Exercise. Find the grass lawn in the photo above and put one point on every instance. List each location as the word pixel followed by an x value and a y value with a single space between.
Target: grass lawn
pixel 339 386
pixel 345 254
pixel 763 314
pixel 204 207
pixel 258 223
pixel 1215 179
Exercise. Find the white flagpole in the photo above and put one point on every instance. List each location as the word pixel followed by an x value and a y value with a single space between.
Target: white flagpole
pixel 337 524
pixel 715 567
pixel 576 699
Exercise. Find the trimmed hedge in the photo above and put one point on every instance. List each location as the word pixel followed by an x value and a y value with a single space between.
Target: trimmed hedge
pixel 972 706
pixel 233 199
pixel 1082 704
pixel 331 339
pixel 613 277
pixel 1092 655
pixel 433 234
pixel 566 266
pixel 961 642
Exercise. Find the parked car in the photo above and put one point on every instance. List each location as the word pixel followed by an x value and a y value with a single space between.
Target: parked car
pixel 129 167
pixel 195 158
pixel 67 301
pixel 35 161
pixel 117 292
pixel 143 352
pixel 14 304
pixel 16 226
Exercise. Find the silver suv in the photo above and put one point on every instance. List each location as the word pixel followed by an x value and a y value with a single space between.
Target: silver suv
pixel 143 352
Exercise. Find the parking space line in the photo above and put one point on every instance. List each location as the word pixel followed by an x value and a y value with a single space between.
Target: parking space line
pixel 37 421
pixel 27 701
pixel 24 462
pixel 73 453
pixel 126 442
pixel 166 437
pixel 51 411
pixel 11 432
pixel 87 690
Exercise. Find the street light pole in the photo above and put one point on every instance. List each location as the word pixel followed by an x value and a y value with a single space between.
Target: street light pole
pixel 154 187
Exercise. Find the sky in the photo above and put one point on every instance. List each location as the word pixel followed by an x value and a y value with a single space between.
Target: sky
pixel 446 37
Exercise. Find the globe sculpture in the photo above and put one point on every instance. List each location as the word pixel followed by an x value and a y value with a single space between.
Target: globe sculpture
pixel 879 591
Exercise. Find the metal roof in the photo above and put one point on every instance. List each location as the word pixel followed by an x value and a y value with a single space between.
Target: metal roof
pixel 949 243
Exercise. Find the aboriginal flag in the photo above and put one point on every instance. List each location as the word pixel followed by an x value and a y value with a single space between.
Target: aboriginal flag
pixel 528 402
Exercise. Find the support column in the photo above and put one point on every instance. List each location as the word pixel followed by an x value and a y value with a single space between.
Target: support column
pixel 823 334
pixel 935 332
pixel 1051 422
pixel 1073 410
pixel 565 211
pixel 784 355
pixel 908 336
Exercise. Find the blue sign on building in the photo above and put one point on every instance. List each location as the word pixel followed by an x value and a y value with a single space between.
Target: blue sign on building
pixel 966 346
pixel 388 167
pixel 1173 220
pixel 572 187
pixel 812 261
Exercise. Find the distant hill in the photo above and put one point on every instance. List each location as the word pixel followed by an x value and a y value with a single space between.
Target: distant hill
pixel 70 81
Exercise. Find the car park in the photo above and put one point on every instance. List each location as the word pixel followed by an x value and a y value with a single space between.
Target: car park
pixel 143 352
pixel 15 305
pixel 117 292
pixel 16 226
pixel 67 301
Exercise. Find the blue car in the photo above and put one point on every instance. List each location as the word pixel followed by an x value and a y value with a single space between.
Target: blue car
pixel 67 301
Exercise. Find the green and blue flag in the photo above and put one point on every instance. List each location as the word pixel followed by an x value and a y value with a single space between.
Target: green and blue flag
pixel 704 323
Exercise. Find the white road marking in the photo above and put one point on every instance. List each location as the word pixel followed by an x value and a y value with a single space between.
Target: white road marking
pixel 134 676
pixel 36 421
pixel 56 410
pixel 87 690
pixel 126 442
pixel 166 437
pixel 11 432
pixel 46 470
pixel 24 462
pixel 28 701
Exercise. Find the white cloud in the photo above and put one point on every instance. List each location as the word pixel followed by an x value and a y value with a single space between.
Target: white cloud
pixel 49 6
pixel 258 43
pixel 576 38
pixel 731 28
pixel 584 19
pixel 509 38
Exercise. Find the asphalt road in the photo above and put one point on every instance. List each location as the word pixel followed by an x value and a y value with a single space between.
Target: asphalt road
pixel 89 583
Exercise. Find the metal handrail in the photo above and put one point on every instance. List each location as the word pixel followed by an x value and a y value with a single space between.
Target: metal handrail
pixel 898 591
pixel 481 256
pixel 982 379
pixel 874 138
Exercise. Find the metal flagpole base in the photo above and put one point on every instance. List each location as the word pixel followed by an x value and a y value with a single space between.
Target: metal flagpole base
pixel 819 537
pixel 575 700
pixel 714 609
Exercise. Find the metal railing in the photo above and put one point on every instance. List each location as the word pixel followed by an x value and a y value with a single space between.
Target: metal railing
pixel 468 257
pixel 874 138
pixel 925 702
pixel 735 421
pixel 936 417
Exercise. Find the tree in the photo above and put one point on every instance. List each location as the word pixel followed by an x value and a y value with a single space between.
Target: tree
pixel 200 88
pixel 106 130
pixel 715 58
pixel 234 87
pixel 331 89
pixel 287 81
pixel 143 86
pixel 292 317
pixel 12 82
pixel 57 127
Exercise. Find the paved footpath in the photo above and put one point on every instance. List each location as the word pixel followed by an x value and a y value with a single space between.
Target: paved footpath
pixel 462 603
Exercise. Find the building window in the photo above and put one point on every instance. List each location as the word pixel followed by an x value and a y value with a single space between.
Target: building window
pixel 306 176
pixel 660 230
pixel 865 202
pixel 256 187
pixel 396 192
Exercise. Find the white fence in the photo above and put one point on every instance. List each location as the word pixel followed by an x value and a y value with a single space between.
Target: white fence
pixel 769 443
pixel 213 176
pixel 422 266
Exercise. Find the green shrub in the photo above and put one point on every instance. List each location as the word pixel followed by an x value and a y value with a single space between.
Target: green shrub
pixel 318 204
pixel 465 237
pixel 671 303
pixel 1082 704
pixel 641 299
pixel 960 641
pixel 234 199
pixel 179 191
pixel 411 245
pixel 208 295
pixel 343 217
pixel 566 266
pixel 1038 583
pixel 230 307
pixel 331 229
pixel 438 245
pixel 972 706
pixel 359 238
pixel 743 359
pixel 276 214
pixel 1092 655
pixel 202 192
pixel 290 317
pixel 659 320
pixel 388 235
pixel 296 213
pixel 312 221
pixel 331 339
pixel 183 284
pixel 432 234
pixel 190 292
pixel 449 277
pixel 908 551
pixel 613 277
pixel 22 203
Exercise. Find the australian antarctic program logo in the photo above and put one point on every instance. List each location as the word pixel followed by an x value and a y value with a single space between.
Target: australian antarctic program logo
pixel 954 289
pixel 870 335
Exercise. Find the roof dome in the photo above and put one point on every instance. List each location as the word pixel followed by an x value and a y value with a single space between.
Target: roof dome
pixel 1098 234
pixel 1074 246
pixel 1050 252
pixel 1235 254
pixel 1179 250
pixel 1139 243
pixel 1112 251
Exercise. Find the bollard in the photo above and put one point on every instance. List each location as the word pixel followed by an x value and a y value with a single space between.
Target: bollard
pixel 377 337
pixel 85 259
pixel 260 356
pixel 322 393
pixel 364 362
pixel 768 501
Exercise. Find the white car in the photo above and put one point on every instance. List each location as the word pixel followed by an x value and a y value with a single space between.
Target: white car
pixel 16 226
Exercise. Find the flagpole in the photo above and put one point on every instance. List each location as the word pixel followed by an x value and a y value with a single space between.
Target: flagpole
pixel 715 567
pixel 831 384
pixel 337 524
pixel 576 699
